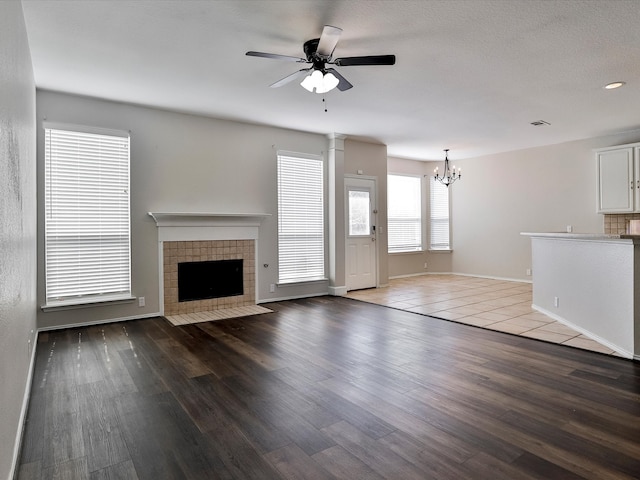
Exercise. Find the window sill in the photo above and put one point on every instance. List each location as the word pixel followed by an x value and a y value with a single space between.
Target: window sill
pixel 86 303
pixel 408 252
pixel 443 250
pixel 301 282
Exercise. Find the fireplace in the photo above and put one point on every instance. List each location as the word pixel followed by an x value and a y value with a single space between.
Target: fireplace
pixel 207 253
pixel 209 279
pixel 186 238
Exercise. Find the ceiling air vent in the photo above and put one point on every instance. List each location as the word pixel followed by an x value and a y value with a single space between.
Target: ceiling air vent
pixel 539 123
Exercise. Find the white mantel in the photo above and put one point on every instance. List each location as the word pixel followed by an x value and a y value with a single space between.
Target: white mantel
pixel 202 226
pixel 187 226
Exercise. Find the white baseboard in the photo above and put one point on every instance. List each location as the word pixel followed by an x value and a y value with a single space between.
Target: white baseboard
pixel 24 409
pixel 420 274
pixel 490 277
pixel 338 291
pixel 586 333
pixel 99 322
pixel 292 297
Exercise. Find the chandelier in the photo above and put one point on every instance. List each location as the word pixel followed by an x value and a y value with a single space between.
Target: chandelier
pixel 449 175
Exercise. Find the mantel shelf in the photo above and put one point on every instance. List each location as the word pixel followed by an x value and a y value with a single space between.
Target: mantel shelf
pixel 203 219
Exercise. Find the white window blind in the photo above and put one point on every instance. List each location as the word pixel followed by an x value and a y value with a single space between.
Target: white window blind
pixel 404 213
pixel 87 241
pixel 439 224
pixel 300 219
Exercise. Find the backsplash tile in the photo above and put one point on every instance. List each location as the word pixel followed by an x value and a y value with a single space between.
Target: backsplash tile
pixel 617 224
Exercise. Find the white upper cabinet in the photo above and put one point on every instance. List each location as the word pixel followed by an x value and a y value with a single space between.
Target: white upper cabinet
pixel 618 179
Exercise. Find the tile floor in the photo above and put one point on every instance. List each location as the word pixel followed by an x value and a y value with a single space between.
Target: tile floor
pixel 494 304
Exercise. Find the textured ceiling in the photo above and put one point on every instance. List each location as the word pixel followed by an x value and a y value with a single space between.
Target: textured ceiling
pixel 470 75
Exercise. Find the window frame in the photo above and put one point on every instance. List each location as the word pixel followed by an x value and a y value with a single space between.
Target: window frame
pixel 110 288
pixel 418 247
pixel 319 261
pixel 448 247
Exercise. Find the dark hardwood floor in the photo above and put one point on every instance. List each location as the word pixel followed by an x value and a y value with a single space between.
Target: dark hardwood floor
pixel 326 388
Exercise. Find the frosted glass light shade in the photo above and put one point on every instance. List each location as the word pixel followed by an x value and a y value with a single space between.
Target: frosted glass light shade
pixel 320 82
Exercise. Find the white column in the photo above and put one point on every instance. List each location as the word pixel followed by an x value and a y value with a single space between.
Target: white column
pixel 336 207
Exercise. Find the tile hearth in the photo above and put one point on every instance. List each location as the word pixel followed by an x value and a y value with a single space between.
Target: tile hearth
pixel 221 314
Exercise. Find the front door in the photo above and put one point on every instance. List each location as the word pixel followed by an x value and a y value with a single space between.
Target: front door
pixel 361 233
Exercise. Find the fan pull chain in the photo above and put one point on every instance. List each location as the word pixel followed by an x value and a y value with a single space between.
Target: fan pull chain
pixel 324 100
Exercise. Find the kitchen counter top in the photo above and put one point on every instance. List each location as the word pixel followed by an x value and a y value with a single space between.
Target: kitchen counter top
pixel 602 237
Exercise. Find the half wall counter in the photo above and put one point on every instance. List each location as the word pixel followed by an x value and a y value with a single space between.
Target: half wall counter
pixel 591 283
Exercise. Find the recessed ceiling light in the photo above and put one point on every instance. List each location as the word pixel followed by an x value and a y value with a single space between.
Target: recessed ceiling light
pixel 612 85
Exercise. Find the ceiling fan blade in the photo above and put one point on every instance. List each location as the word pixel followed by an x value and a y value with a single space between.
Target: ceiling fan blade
pixel 291 78
pixel 275 56
pixel 328 40
pixel 343 83
pixel 366 60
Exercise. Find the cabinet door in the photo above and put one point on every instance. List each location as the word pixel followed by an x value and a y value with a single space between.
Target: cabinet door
pixel 615 181
pixel 636 178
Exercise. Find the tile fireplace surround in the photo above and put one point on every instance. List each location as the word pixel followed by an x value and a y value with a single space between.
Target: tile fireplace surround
pixel 194 237
pixel 201 251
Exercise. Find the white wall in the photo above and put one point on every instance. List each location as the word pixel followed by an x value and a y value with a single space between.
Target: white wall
pixel 17 227
pixel 540 189
pixel 180 163
pixel 534 190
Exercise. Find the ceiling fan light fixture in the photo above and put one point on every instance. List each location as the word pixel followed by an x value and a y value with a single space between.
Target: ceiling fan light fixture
pixel 320 82
pixel 329 82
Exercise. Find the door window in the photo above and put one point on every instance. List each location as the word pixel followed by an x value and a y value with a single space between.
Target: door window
pixel 359 213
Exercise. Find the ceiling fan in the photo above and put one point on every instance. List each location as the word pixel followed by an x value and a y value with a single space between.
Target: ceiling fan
pixel 319 53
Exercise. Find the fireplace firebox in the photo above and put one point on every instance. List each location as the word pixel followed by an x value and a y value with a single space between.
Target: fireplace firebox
pixel 210 279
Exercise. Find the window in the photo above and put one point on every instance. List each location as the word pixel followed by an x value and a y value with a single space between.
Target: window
pixel 439 237
pixel 404 216
pixel 300 218
pixel 359 205
pixel 87 245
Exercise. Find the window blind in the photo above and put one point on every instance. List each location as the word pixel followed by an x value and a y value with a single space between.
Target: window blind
pixel 439 216
pixel 87 240
pixel 404 213
pixel 300 219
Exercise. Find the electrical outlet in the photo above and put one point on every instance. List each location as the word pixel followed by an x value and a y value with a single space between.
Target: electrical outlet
pixel 425 265
pixel 29 345
pixel 556 302
pixel 528 272
pixel 141 302
pixel 272 287
pixel 569 228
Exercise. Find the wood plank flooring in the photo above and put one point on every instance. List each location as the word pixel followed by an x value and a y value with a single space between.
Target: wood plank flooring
pixel 326 388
